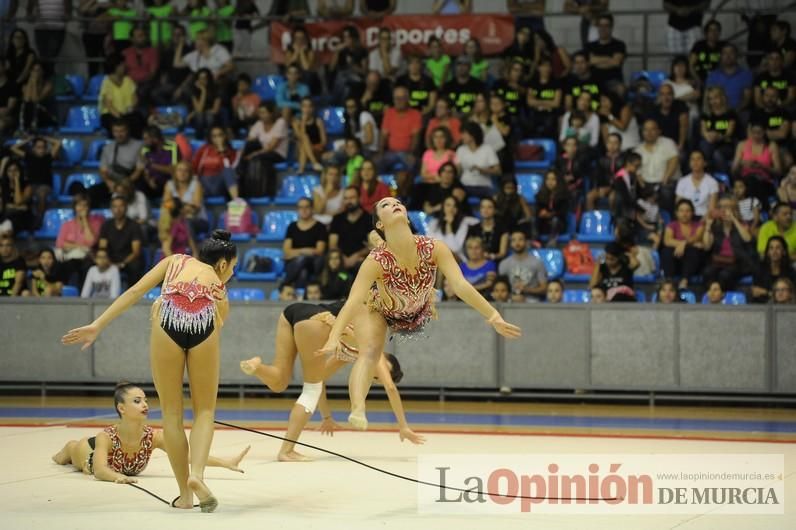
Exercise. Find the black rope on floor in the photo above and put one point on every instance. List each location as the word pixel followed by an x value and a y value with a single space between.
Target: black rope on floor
pixel 158 497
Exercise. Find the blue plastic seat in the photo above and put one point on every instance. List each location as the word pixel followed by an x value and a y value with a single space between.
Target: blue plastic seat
pixel 104 212
pixel 237 144
pixel 641 296
pixel 152 293
pixel 82 120
pixel 76 84
pixel 724 181
pixel 275 225
pixel 195 145
pixel 53 219
pixel 69 291
pixel 576 296
pixel 655 275
pixel 655 77
pixel 242 294
pixel 266 86
pixel 334 120
pixel 730 298
pixel 596 226
pixel 294 187
pixel 86 179
pixel 94 153
pixel 94 86
pixel 274 254
pixel 553 260
pixel 71 152
pixel 528 185
pixel 419 220
pixel 175 109
pixel 547 160
pixel 240 236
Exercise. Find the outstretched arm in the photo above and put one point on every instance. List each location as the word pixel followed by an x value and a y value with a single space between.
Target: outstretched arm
pixel 383 373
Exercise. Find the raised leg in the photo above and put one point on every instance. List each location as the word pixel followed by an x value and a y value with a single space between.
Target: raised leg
pixel 371 331
pixel 275 376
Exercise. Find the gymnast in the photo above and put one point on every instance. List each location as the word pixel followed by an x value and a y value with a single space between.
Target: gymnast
pixel 303 328
pixel 104 455
pixel 394 290
pixel 190 313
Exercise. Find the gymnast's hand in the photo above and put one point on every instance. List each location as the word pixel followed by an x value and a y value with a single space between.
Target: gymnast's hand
pixel 85 335
pixel 510 331
pixel 328 426
pixel 125 480
pixel 408 434
pixel 330 348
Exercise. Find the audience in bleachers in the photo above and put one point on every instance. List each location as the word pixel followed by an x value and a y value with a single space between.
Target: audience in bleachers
pixel 525 272
pixel 304 246
pixel 102 279
pixel 122 238
pixel 349 229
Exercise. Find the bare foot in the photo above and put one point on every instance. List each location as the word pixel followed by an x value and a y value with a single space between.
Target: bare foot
pixel 207 502
pixel 250 366
pixel 183 504
pixel 62 457
pixel 293 456
pixel 358 420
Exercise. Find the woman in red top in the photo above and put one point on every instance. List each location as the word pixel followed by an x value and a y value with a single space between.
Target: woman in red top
pixel 757 162
pixel 682 252
pixel 371 189
pixel 214 165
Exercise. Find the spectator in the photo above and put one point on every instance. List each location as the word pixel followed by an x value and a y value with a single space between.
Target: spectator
pixel 335 281
pixel 451 7
pixel 705 55
pixel 774 75
pixel 552 207
pixel 137 206
pixel 12 268
pixel 778 123
pixel 462 89
pixel 287 293
pixel 757 162
pixel 371 189
pixel 267 145
pixel 327 199
pixel 335 9
pixel 400 133
pixel 10 97
pixel 574 164
pixel 718 127
pixel 300 53
pixel 545 46
pixel 512 207
pixel 304 246
pixel 349 231
pixel 175 75
pixel 555 292
pixel 213 164
pixel 76 238
pixel 624 188
pixel 588 10
pixel 199 14
pixel 142 63
pixel 598 295
pixel 377 8
pixel 525 271
pixel 189 190
pixel 310 134
pixel 117 97
pixel 39 168
pixel 479 271
pixel 177 238
pixel 444 118
pixel 735 80
pixel 748 207
pixel 313 292
pixel 729 246
pixel 448 186
pixel 16 196
pixel 386 58
pixel 476 161
pixel 438 62
pixel 527 13
pixel 421 88
pixel 648 223
pixel 362 125
pixel 51 17
pixel 95 28
pixel 102 280
pixel 500 132
pixel 349 65
pixel 121 237
pixel 47 278
pixel 616 116
pixel 156 162
pixel 671 116
pixel 698 187
pixel 685 86
pixel 376 95
pixel 715 293
pixel 684 23
pixel 681 253
pixel 775 265
pixel 581 80
pixel 614 274
pixel 479 66
pixel 224 12
pixel 450 226
pixel 607 167
pixel 122 16
pixel 783 291
pixel 781 224
pixel 667 293
pixel 37 95
pixel 208 55
pixel 492 232
pixel 544 101
pixel 781 41
pixel 582 123
pixel 353 159
pixel 20 57
pixel 290 93
pixel 511 89
pixel 437 155
pixel 522 51
pixel 501 290
pixel 787 188
pixel 205 103
pixel 607 56
pixel 660 164
pixel 245 103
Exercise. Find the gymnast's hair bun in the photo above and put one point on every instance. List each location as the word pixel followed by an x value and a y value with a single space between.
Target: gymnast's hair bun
pixel 122 384
pixel 221 235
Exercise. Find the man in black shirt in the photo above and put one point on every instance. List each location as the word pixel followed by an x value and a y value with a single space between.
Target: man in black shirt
pixel 781 41
pixel 581 80
pixel 304 246
pixel 9 98
pixel 685 21
pixel 121 237
pixel 349 231
pixel 607 55
pixel 706 54
pixel 778 122
pixel 462 89
pixel 12 268
pixel 377 95
pixel 671 115
pixel 774 75
pixel 422 91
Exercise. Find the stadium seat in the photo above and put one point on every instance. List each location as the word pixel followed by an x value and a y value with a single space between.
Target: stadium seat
pixel 528 185
pixel 86 179
pixel 53 219
pixel 294 187
pixel 334 120
pixel 730 298
pixel 71 152
pixel 237 144
pixel 651 278
pixel 242 294
pixel 389 180
pixel 576 296
pixel 76 86
pixel 273 254
pixel 94 153
pixel 195 145
pixel 70 291
pixel 104 212
pixel 153 293
pixel 176 109
pixel 553 260
pixel 240 236
pixel 275 225
pixel 265 86
pixel 93 90
pixel 655 77
pixel 641 296
pixel 215 200
pixel 547 159
pixel 596 227
pixel 419 221
pixel 724 181
pixel 82 120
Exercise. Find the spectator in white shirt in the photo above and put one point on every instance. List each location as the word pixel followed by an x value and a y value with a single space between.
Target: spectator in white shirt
pixel 660 165
pixel 477 162
pixel 386 57
pixel 450 226
pixel 698 187
pixel 102 280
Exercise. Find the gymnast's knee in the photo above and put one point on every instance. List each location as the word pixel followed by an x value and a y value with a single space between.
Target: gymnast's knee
pixel 310 395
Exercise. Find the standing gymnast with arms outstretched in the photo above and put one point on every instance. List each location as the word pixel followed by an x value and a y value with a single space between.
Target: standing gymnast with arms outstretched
pixel 394 289
pixel 190 312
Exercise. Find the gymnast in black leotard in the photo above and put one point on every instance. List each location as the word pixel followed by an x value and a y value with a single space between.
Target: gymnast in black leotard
pixel 300 311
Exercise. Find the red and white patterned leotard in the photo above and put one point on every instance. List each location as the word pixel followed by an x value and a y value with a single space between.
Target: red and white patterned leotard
pixel 187 306
pixel 134 464
pixel 406 300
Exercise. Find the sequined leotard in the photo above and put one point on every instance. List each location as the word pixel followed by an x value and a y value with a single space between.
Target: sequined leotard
pixel 406 300
pixel 120 462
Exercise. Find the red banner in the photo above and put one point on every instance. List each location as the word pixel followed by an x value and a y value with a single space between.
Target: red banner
pixel 411 32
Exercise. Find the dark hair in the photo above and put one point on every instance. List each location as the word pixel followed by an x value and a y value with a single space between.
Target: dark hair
pixel 79 197
pixel 120 392
pixel 783 25
pixel 395 371
pixel 452 166
pixel 475 131
pixel 353 31
pixel 715 23
pixel 625 233
pixel 559 282
pixel 112 63
pixel 308 199
pixel 154 131
pixel 679 59
pixel 218 246
pixel 48 250
pixel 176 206
pixel 120 122
pixel 617 136
pixel 327 273
pixel 615 249
pixel 784 262
pixel 778 206
pixel 448 138
pixel 606 16
pixel 490 199
pixel 663 284
pixel 721 285
pixel 632 158
pixel 502 279
pixel 9 49
pixel 284 285
pixel 375 221
pixel 119 197
pixel 757 121
pixel 582 53
pixel 245 77
pixel 457 219
pixel 560 193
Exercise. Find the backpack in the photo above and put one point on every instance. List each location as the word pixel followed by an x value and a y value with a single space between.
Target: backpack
pixel 239 217
pixel 578 258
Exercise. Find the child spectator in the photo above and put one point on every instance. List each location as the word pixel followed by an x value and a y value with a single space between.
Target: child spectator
pixel 313 292
pixel 450 225
pixel 310 135
pixel 715 293
pixel 102 280
pixel 574 165
pixel 287 293
pixel 555 292
pixel 783 292
pixel 512 207
pixel 667 293
pixel 615 274
pixel 648 217
pixel 623 194
pixel 501 290
pixel 47 278
pixel 552 207
pixel 597 295
pixel 335 281
pixel 479 271
pixel 748 207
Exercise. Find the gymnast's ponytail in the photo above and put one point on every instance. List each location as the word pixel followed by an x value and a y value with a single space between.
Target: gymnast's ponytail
pixel 218 246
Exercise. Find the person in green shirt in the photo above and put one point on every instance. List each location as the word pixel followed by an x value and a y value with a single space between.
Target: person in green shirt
pixel 160 30
pixel 353 151
pixel 225 9
pixel 479 67
pixel 199 13
pixel 438 63
pixel 123 17
pixel 781 224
